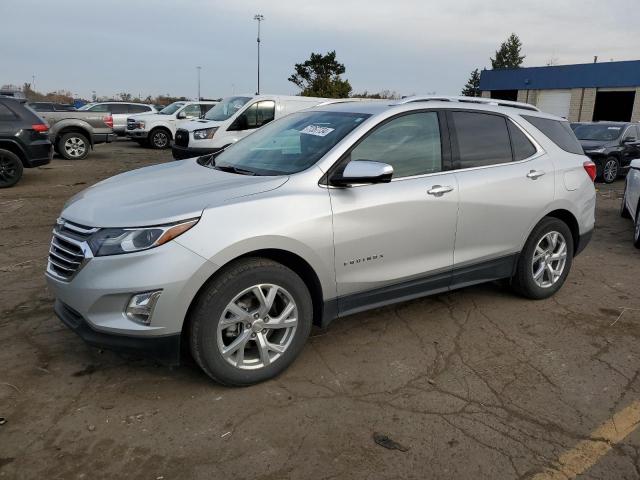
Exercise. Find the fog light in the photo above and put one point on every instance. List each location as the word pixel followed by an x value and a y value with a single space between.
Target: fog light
pixel 141 306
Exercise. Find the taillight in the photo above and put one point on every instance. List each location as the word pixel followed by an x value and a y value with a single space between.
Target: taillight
pixel 108 121
pixel 590 168
pixel 40 127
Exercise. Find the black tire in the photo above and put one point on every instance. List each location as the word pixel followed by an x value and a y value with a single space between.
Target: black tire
pixel 212 302
pixel 610 170
pixel 624 211
pixel 523 281
pixel 10 169
pixel 73 146
pixel 159 138
pixel 636 229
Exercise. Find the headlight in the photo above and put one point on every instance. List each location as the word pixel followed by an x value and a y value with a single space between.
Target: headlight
pixel 115 241
pixel 204 133
pixel 596 150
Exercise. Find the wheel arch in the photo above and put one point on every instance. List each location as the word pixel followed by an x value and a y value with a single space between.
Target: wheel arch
pixel 74 129
pixel 13 147
pixel 161 127
pixel 287 258
pixel 571 221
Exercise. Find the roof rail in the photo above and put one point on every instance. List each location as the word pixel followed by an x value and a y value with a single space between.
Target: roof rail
pixel 477 100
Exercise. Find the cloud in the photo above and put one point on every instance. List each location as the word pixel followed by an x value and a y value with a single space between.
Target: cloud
pixel 410 46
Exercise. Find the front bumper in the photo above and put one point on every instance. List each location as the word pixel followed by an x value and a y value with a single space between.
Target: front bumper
pixel 137 134
pixel 165 349
pixel 180 153
pixel 101 290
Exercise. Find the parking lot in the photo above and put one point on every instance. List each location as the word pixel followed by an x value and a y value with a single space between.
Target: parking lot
pixel 473 384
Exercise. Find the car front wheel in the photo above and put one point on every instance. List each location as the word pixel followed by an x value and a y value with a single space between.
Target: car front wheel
pixel 250 322
pixel 610 170
pixel 159 138
pixel 545 261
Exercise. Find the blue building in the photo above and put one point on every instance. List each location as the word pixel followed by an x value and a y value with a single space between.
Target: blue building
pixel 583 92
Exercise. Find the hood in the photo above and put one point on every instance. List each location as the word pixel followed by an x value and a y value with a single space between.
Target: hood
pixel 161 194
pixel 199 124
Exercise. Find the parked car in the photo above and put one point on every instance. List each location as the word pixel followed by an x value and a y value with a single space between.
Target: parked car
pixel 12 93
pixel 52 107
pixel 74 133
pixel 320 214
pixel 24 140
pixel 232 119
pixel 157 131
pixel 120 111
pixel 611 145
pixel 630 207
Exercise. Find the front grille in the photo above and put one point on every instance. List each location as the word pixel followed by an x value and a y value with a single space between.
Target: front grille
pixel 182 138
pixel 68 251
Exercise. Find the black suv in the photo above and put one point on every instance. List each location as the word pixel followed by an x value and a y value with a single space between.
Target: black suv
pixel 24 140
pixel 611 146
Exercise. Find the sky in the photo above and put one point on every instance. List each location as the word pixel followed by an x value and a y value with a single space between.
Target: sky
pixel 151 47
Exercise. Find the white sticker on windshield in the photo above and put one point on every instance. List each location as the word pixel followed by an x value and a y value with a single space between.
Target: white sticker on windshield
pixel 614 128
pixel 317 131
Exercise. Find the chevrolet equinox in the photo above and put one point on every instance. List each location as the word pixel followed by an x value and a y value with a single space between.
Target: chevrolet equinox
pixel 323 213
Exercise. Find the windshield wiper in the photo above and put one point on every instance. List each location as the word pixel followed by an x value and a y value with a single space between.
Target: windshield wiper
pixel 230 169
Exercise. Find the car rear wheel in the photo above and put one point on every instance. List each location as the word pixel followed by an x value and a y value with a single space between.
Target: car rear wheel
pixel 10 169
pixel 159 138
pixel 250 322
pixel 610 170
pixel 73 146
pixel 545 261
pixel 636 229
pixel 624 211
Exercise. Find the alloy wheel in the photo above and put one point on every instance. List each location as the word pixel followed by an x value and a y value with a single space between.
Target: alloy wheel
pixel 8 169
pixel 75 147
pixel 160 139
pixel 610 172
pixel 257 326
pixel 549 259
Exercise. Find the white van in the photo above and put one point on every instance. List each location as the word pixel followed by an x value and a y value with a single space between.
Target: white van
pixel 235 118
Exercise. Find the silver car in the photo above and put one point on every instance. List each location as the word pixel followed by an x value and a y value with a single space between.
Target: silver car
pixel 120 111
pixel 630 207
pixel 321 214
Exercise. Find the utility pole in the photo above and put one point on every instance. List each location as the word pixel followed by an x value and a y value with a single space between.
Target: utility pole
pixel 199 68
pixel 259 18
pixel 33 82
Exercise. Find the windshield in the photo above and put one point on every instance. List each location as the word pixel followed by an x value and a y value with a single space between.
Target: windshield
pixel 288 145
pixel 226 108
pixel 171 109
pixel 596 132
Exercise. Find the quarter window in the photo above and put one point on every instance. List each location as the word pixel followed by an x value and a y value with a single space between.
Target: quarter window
pixel 410 144
pixel 559 132
pixel 6 114
pixel 522 147
pixel 481 139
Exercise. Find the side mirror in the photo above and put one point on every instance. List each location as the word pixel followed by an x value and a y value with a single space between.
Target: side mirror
pixel 635 163
pixel 629 140
pixel 181 115
pixel 363 172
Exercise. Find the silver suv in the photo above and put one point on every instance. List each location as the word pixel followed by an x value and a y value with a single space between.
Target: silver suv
pixel 320 214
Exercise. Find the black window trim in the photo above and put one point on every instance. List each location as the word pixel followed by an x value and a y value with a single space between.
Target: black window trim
pixel 454 147
pixel 445 146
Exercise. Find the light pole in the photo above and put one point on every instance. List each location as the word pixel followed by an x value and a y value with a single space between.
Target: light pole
pixel 199 68
pixel 33 82
pixel 259 18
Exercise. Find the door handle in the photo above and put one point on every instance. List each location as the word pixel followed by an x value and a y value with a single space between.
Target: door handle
pixel 439 190
pixel 534 174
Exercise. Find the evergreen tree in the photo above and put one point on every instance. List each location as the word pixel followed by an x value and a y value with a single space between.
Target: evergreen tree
pixel 320 77
pixel 472 88
pixel 508 55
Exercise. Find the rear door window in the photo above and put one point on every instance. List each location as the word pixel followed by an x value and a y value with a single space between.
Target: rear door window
pixel 479 139
pixel 103 107
pixel 139 108
pixel 260 113
pixel 118 108
pixel 559 132
pixel 192 111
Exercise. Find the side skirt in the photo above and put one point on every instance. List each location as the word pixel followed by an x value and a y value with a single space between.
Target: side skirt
pixel 460 277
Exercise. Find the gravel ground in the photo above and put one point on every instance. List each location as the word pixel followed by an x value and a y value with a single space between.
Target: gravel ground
pixel 472 384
